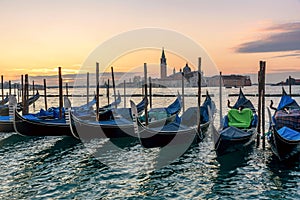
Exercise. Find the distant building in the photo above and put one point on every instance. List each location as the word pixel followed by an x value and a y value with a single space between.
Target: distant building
pixel 293 82
pixel 190 78
pixel 230 81
pixel 163 65
pixel 175 79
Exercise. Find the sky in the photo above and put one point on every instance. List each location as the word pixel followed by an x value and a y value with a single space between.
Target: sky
pixel 38 36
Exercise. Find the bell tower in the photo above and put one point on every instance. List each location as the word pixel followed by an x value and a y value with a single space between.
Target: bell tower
pixel 163 65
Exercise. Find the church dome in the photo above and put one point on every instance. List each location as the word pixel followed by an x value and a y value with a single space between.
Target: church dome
pixel 186 69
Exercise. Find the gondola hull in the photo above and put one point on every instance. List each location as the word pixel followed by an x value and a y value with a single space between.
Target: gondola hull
pixel 224 145
pixel 28 127
pixel 85 130
pixel 282 148
pixel 152 139
pixel 6 126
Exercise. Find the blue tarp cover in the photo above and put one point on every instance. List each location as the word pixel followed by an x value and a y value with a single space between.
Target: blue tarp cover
pixel 234 133
pixel 243 101
pixel 289 133
pixel 285 101
pixel 4 118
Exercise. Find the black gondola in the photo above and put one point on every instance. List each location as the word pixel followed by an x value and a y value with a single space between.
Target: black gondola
pixel 284 131
pixel 184 130
pixel 115 128
pixel 37 125
pixel 24 125
pixel 238 130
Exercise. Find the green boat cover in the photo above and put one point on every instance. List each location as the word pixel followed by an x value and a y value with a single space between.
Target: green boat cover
pixel 240 119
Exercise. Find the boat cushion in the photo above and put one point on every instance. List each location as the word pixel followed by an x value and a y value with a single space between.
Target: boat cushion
pixel 240 119
pixel 289 133
pixel 155 114
pixel 290 119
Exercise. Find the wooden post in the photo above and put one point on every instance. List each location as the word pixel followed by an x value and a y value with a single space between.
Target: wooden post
pixel 33 105
pixel 220 99
pixel 263 104
pixel 107 92
pixel 259 103
pixel 114 86
pixel 22 88
pixel 87 87
pixel 199 93
pixel 25 94
pixel 124 94
pixel 146 93
pixel 182 90
pixel 199 82
pixel 2 87
pixel 150 92
pixel 9 87
pixel 60 92
pixel 290 85
pixel 45 94
pixel 97 91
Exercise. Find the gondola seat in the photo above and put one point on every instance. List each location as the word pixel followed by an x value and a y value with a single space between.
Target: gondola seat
pixel 290 119
pixel 240 119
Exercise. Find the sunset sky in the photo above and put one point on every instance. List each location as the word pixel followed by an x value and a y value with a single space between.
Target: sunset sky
pixel 38 36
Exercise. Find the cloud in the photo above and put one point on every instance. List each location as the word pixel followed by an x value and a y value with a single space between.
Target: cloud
pixel 297 55
pixel 285 38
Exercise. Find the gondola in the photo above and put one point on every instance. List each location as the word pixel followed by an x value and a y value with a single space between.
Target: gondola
pixel 184 130
pixel 6 122
pixel 118 127
pixel 284 132
pixel 43 124
pixel 238 130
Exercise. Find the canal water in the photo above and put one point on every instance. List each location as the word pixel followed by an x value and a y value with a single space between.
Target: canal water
pixel 66 168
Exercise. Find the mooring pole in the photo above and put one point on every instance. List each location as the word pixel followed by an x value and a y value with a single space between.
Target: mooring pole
pixel 220 99
pixel 2 88
pixel 33 105
pixel 199 82
pixel 60 92
pixel 182 91
pixel 146 93
pixel 22 88
pixel 259 102
pixel 9 87
pixel 150 92
pixel 97 91
pixel 25 94
pixel 263 103
pixel 107 92
pixel 199 93
pixel 45 94
pixel 114 86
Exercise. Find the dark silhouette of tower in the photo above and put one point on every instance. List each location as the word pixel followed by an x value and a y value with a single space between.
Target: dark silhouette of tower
pixel 163 65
